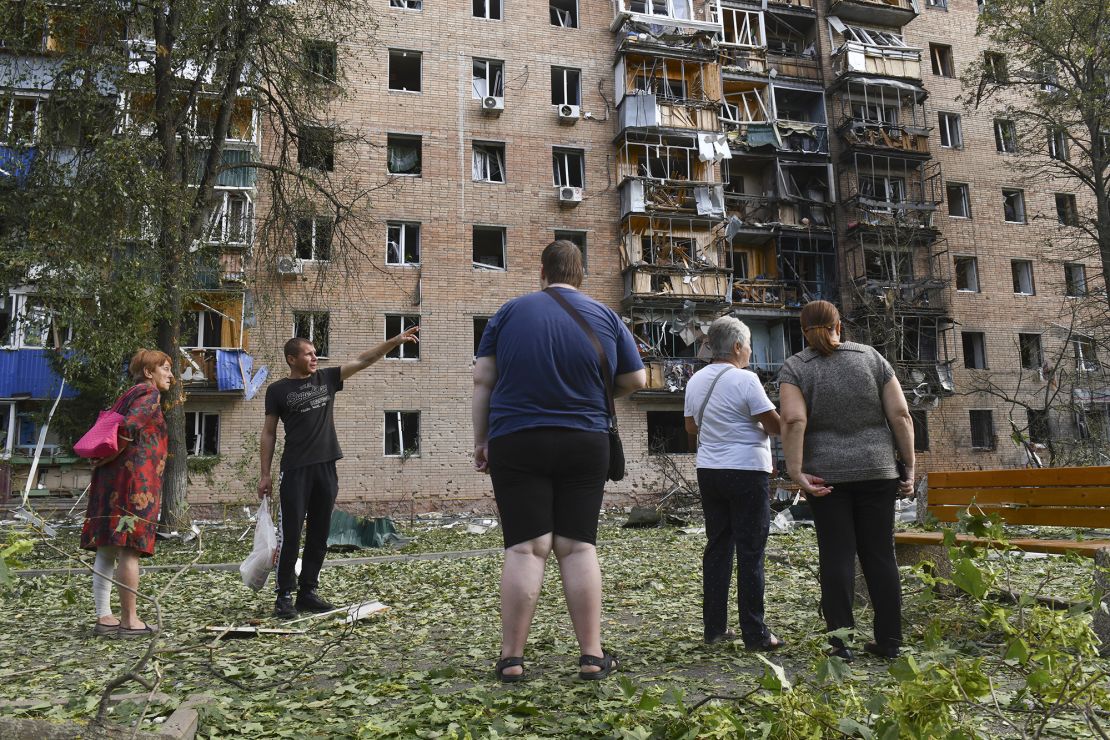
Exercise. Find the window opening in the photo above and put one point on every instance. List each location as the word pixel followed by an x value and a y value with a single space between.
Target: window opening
pixel 394 325
pixel 1022 271
pixel 407 4
pixel 564 13
pixel 667 433
pixel 975 350
pixel 967 274
pixel 565 86
pixel 1030 348
pixel 487 9
pixel 313 326
pixel 1086 359
pixel 920 431
pixel 489 162
pixel 1058 145
pixel 995 67
pixel 1066 212
pixel 951 130
pixel 959 203
pixel 402 243
pixel 403 154
pixel 982 429
pixel 568 168
pixel 489 247
pixel 576 237
pixel 1013 206
pixel 314 236
pixel 321 60
pixel 404 70
pixel 487 78
pixel 1075 280
pixel 316 148
pixel 941 54
pixel 402 434
pixel 480 323
pixel 1005 136
pixel 202 433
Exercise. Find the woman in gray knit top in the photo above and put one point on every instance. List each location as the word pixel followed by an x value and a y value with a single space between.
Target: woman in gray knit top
pixel 843 414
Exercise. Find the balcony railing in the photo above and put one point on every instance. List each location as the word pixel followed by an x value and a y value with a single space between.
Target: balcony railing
pixel 656 281
pixel 787 136
pixel 650 111
pixel 743 59
pixel 888 61
pixel 645 195
pixel 755 211
pixel 859 133
pixel 695 15
pixel 794 65
pixel 230 269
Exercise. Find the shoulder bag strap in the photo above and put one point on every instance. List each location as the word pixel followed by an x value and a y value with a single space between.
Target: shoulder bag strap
pixel 606 375
pixel 709 394
pixel 126 399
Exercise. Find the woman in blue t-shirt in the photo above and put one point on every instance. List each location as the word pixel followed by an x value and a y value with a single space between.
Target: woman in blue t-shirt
pixel 541 421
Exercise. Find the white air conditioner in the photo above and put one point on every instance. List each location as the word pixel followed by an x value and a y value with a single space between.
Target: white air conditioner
pixel 493 105
pixel 569 113
pixel 290 266
pixel 569 195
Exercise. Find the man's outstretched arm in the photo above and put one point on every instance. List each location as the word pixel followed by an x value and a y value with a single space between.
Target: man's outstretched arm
pixel 370 356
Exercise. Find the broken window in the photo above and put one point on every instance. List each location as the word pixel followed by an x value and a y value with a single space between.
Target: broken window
pixel 488 9
pixel 316 148
pixel 564 13
pixel 313 326
pixel 402 246
pixel 666 88
pixel 995 67
pixel 232 218
pixel 1022 271
pixel 314 234
pixel 1075 280
pixel 920 431
pixel 951 130
pixel 667 433
pixel 404 70
pixel 394 325
pixel 489 162
pixel 1085 357
pixel 1058 144
pixel 959 201
pixel 1005 136
pixel 967 274
pixel 321 60
pixel 1013 205
pixel 939 5
pixel 487 78
pixel 1066 212
pixel 975 350
pixel 887 266
pixel 403 154
pixel 479 329
pixel 489 247
pixel 565 86
pixel 19 119
pixel 1030 347
pixel 1049 76
pixel 1039 429
pixel 203 329
pixel 941 54
pixel 873 113
pixel 73 123
pixel 982 429
pixel 25 26
pixel 402 434
pixel 407 4
pixel 568 167
pixel 873 37
pixel 202 433
pixel 576 237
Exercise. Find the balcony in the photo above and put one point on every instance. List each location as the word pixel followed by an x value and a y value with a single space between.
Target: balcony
pixel 650 196
pixel 865 135
pixel 877 12
pixel 689 15
pixel 646 282
pixel 212 370
pixel 886 61
pixel 743 60
pixel 763 293
pixel 230 268
pixel 798 137
pixel 795 66
pixel 651 112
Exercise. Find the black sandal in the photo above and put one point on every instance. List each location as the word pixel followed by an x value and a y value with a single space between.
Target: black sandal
pixel 607 663
pixel 504 663
pixel 768 644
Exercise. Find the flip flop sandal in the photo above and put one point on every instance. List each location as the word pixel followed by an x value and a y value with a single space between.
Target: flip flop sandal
pixel 504 663
pixel 769 644
pixel 100 629
pixel 607 663
pixel 127 633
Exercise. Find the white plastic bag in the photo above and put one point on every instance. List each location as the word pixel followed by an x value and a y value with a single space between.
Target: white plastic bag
pixel 256 568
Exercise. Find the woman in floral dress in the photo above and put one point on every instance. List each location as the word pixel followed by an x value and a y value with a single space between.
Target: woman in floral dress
pixel 126 495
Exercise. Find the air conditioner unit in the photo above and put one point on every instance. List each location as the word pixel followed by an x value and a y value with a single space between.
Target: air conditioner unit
pixel 569 113
pixel 570 196
pixel 290 266
pixel 493 105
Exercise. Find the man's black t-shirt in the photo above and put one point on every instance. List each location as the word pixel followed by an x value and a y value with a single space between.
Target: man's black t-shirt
pixel 304 406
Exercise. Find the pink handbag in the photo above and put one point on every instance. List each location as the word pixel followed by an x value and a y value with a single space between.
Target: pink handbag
pixel 102 439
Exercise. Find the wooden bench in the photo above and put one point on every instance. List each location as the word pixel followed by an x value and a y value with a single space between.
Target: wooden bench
pixel 1052 497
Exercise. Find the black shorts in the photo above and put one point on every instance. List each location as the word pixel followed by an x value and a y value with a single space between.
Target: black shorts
pixel 549 480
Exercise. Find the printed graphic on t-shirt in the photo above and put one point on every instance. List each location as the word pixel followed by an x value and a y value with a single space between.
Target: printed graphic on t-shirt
pixel 307 398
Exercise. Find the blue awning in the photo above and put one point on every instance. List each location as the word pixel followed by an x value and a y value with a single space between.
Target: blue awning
pixel 26 373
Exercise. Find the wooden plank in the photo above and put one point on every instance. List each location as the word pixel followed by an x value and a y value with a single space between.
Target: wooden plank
pixel 1087 548
pixel 1044 516
pixel 1093 476
pixel 1048 496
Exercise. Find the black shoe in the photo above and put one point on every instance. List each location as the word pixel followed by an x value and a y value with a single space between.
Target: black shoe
pixel 310 601
pixel 283 607
pixel 844 653
pixel 890 652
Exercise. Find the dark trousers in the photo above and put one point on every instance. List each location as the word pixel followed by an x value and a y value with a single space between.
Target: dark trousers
pixel 737 519
pixel 307 499
pixel 857 518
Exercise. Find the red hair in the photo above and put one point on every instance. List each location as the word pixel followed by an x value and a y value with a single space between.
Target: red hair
pixel 147 359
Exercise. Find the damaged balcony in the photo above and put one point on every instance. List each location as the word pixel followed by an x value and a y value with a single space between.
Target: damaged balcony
pixel 762 117
pixel 887 275
pixel 672 173
pixel 668 261
pixel 660 92
pixel 867 51
pixel 886 191
pixel 757 43
pixel 881 12
pixel 213 346
pixel 881 114
pixel 686 16
pixel 921 347
pixel 672 344
pixel 781 275
pixel 769 196
pixel 773 340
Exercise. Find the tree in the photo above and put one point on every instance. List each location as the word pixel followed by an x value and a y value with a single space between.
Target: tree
pixel 110 202
pixel 1049 74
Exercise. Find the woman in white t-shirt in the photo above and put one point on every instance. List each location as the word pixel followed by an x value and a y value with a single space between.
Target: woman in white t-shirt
pixel 728 409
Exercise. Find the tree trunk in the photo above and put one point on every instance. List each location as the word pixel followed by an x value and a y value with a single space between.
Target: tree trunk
pixel 175 478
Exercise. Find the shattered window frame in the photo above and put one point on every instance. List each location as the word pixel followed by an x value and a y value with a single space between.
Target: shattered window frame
pixel 14 129
pixel 1005 136
pixel 561 86
pixel 967 274
pixel 666 433
pixel 996 67
pixel 488 162
pixel 400 426
pixel 1022 273
pixel 982 429
pixel 963 197
pixel 314 236
pixel 1031 350
pixel 400 148
pixel 563 14
pixel 315 326
pixel 1075 280
pixel 974 345
pixel 1086 353
pixel 400 66
pixel 1058 144
pixel 232 218
pixel 943 62
pixel 487 78
pixel 321 60
pixel 568 167
pixel 202 433
pixel 394 325
pixel 486 232
pixel 1013 206
pixel 951 130
pixel 402 240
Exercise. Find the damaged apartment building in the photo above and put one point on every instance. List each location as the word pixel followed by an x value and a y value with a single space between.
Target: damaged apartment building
pixel 708 156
